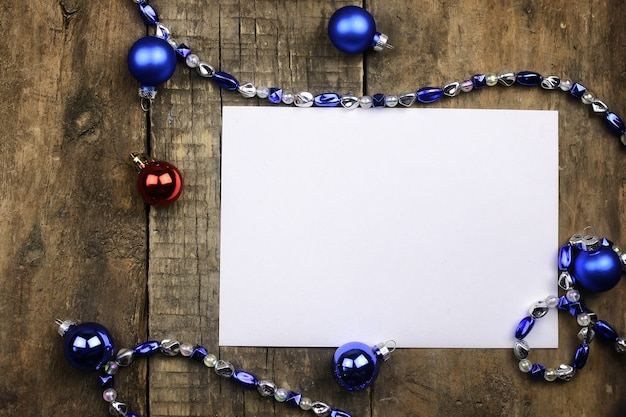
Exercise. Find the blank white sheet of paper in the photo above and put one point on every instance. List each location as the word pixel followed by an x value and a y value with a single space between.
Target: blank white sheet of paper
pixel 436 228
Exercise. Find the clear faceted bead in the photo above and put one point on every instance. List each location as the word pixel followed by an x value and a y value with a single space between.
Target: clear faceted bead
pixel 491 79
pixel 365 102
pixel 549 374
pixel 391 100
pixel 109 395
pixel 262 92
pixel 186 349
pixel 281 395
pixel 552 301
pixel 573 296
pixel 192 60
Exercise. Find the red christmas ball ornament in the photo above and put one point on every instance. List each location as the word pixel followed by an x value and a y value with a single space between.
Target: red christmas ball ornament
pixel 159 182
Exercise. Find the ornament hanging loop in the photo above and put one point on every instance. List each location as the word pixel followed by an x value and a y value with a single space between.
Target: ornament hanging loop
pixel 384 350
pixel 146 104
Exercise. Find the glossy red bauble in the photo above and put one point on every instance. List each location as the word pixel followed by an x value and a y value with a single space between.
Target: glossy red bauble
pixel 159 182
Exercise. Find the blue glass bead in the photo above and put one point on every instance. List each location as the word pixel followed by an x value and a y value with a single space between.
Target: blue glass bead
pixel 605 330
pixel 148 14
pixel 378 100
pixel 352 29
pixel 614 123
pixel 429 94
pixel 106 381
pixel 198 353
pixel 275 96
pixel 599 270
pixel 537 371
pixel 528 78
pixel 339 413
pixel 327 100
pixel 151 60
pixel 225 80
pixel 355 366
pixel 182 52
pixel 88 346
pixel 524 327
pixel 574 308
pixel 565 257
pixel 577 90
pixel 581 355
pixel 245 379
pixel 293 399
pixel 479 81
pixel 147 348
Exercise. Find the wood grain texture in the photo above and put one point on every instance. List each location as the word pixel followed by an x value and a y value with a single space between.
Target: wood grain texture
pixel 76 241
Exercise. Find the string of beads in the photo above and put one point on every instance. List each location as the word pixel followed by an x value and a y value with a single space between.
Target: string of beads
pixel 89 346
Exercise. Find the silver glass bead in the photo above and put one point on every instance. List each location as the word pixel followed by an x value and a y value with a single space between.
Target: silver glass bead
pixel 111 368
pixel 320 409
pixel 288 97
pixel 205 70
pixel 573 296
pixel 565 372
pixel 262 92
pixel 192 60
pixel 210 360
pixel 109 395
pixel 599 108
pixel 586 335
pixel 365 102
pixel 566 282
pixel 507 78
pixel 539 309
pixel 620 345
pixel 467 86
pixel 266 388
pixel 224 369
pixel 452 89
pixel 583 319
pixel 173 42
pixel 491 79
pixel 281 395
pixel 170 347
pixel 350 101
pixel 551 82
pixel 549 374
pixel 248 90
pixel 303 99
pixel 525 365
pixel 391 100
pixel 118 409
pixel 565 85
pixel 521 349
pixel 587 97
pixel 124 357
pixel 162 32
pixel 186 349
pixel 552 301
pixel 407 99
pixel 305 403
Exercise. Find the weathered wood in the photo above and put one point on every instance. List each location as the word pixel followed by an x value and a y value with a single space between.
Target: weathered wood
pixel 76 241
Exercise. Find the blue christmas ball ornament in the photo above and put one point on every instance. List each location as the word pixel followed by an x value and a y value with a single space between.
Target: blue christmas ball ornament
pixel 352 29
pixel 151 60
pixel 88 346
pixel 356 365
pixel 598 270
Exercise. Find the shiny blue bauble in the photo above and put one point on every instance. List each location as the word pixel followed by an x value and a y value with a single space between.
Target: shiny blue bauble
pixel 88 346
pixel 598 270
pixel 355 366
pixel 352 29
pixel 151 60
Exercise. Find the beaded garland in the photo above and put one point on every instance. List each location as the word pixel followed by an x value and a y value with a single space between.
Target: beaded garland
pixel 153 59
pixel 89 347
pixel 597 265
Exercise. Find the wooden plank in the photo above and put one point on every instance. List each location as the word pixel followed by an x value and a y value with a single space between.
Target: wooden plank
pixel 77 242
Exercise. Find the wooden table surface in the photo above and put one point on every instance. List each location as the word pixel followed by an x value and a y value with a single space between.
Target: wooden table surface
pixel 77 242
